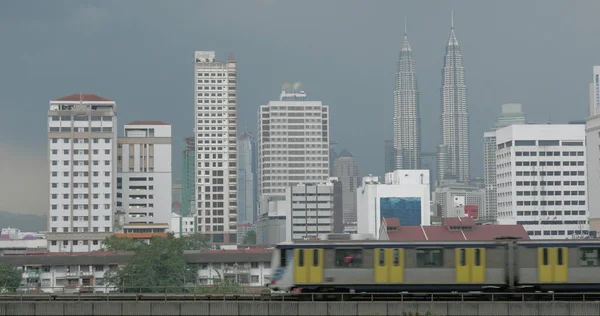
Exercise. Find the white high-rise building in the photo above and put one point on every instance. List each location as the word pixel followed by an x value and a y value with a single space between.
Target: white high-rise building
pixel 293 143
pixel 407 120
pixel 511 114
pixel 541 179
pixel 215 112
pixel 310 211
pixel 144 184
pixel 592 135
pixel 453 154
pixel 82 143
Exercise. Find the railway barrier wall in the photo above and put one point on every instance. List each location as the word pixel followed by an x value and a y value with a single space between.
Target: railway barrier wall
pixel 300 308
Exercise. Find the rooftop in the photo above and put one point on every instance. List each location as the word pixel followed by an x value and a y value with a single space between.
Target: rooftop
pixel 452 229
pixel 147 123
pixel 88 97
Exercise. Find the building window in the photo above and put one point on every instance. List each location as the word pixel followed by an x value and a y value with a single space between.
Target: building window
pixel 349 258
pixel 589 256
pixel 429 258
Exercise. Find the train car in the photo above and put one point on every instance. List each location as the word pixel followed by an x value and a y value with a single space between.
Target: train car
pixel 390 266
pixel 558 265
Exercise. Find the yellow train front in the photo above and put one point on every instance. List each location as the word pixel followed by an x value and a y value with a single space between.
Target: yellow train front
pixel 389 266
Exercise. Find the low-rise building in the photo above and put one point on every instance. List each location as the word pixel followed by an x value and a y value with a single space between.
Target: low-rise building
pixel 84 272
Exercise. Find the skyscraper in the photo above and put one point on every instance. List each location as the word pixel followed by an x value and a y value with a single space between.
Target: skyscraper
pixel 293 143
pixel 389 156
pixel 215 113
pixel 82 144
pixel 246 202
pixel 188 178
pixel 407 121
pixel 454 119
pixel 345 170
pixel 511 114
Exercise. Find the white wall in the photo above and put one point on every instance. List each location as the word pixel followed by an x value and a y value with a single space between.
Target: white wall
pixel 368 198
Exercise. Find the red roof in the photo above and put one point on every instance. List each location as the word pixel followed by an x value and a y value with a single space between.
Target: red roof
pixel 147 123
pixel 82 97
pixel 469 231
pixel 392 222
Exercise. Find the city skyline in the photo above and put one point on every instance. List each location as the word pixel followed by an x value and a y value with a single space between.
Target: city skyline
pixel 142 99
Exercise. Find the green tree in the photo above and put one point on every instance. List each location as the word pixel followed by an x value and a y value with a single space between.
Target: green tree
pixel 10 278
pixel 220 286
pixel 114 243
pixel 155 267
pixel 250 238
pixel 196 241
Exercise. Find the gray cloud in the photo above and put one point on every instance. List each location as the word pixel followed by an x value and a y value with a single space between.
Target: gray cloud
pixel 139 53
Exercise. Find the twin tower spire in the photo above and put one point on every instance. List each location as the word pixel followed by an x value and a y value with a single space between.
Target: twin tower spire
pixel 453 150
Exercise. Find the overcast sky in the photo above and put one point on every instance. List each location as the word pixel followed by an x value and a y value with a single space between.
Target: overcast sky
pixel 140 54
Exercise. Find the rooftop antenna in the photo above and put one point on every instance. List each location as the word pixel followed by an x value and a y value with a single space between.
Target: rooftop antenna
pixel 405 31
pixel 452 19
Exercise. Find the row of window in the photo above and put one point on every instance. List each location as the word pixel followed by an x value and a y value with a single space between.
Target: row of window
pixel 79 196
pixel 534 183
pixel 64 129
pixel 81 140
pixel 77 242
pixel 81 151
pixel 80 207
pixel 552 222
pixel 80 229
pixel 549 153
pixel 82 118
pixel 527 203
pixel 548 163
pixel 534 193
pixel 81 162
pixel 81 185
pixel 535 173
pixel 549 213
pixel 80 218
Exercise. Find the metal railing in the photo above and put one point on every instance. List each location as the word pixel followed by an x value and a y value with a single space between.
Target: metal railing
pixel 264 294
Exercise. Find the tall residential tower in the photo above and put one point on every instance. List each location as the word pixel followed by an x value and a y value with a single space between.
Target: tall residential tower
pixel 454 119
pixel 407 121
pixel 345 170
pixel 82 144
pixel 215 110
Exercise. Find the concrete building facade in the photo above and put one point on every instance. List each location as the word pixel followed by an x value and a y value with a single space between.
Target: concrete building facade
pixel 144 180
pixel 82 147
pixel 541 177
pixel 404 195
pixel 215 117
pixel 345 170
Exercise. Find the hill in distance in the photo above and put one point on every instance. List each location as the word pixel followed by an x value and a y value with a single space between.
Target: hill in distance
pixel 24 222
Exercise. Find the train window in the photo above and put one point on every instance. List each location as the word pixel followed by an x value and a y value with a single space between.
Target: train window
pixel 589 256
pixel 463 257
pixel 283 258
pixel 560 256
pixel 381 257
pixel 545 256
pixel 477 257
pixel 349 258
pixel 301 258
pixel 429 258
pixel 396 257
pixel 315 258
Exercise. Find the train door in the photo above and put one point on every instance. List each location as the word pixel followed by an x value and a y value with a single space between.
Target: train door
pixel 552 264
pixel 308 265
pixel 389 265
pixel 470 265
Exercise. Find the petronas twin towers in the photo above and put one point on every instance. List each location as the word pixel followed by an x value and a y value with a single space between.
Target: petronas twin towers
pixel 453 151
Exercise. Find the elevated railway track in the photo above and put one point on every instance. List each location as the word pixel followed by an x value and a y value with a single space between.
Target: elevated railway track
pixel 281 297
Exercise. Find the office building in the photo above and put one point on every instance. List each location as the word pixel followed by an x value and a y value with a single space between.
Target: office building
pixel 310 211
pixel 403 195
pixel 512 114
pixel 246 195
pixel 293 143
pixel 592 136
pixel 82 146
pixel 453 161
pixel 541 178
pixel 188 177
pixel 407 120
pixel 389 156
pixel 345 170
pixel 215 112
pixel 144 184
pixel 454 199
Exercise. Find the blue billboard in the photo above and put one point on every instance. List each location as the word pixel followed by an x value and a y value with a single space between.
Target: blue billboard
pixel 405 209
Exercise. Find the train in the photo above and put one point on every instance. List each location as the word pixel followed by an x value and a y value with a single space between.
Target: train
pixel 371 266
